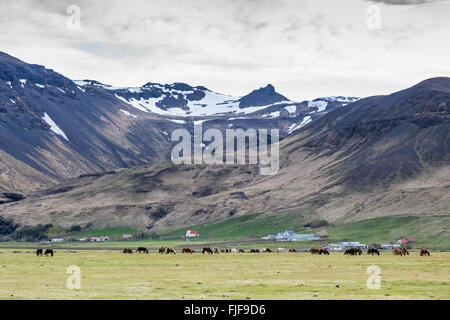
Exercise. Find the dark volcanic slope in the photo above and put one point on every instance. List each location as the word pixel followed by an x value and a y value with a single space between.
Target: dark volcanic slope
pixel 383 139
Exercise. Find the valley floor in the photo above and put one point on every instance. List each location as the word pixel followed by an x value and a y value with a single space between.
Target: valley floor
pixel 110 274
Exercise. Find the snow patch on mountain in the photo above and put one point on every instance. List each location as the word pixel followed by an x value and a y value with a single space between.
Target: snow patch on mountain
pixel 128 114
pixel 319 104
pixel 296 126
pixel 53 126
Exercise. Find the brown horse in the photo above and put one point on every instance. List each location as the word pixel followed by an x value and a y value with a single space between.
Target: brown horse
pixel 186 250
pixel 162 250
pixel 292 250
pixel 241 251
pixel 216 250
pixel 373 251
pixel 398 252
pixel 405 252
pixel 142 250
pixel 171 250
pixel 314 250
pixel 207 250
pixel 48 252
pixel 128 250
pixel 39 252
pixel 268 250
pixel 324 251
pixel 424 252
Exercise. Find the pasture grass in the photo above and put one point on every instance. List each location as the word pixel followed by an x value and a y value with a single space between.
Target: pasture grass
pixel 110 274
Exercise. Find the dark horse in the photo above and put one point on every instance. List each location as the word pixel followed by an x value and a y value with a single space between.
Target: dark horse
pixel 186 250
pixel 324 251
pixel 254 251
pixel 128 250
pixel 314 250
pixel 373 251
pixel 39 252
pixel 207 250
pixel 142 250
pixel 48 252
pixel 171 250
pixel 353 251
pixel 424 252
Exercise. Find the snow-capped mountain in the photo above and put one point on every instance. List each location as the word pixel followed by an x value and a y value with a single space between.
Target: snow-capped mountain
pixel 52 127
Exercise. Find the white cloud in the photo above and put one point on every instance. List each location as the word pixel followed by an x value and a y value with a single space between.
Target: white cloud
pixel 305 48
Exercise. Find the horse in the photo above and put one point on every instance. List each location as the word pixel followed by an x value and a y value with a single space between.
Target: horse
pixel 353 251
pixel 254 251
pixel 162 250
pixel 216 251
pixel 39 252
pixel 128 250
pixel 241 251
pixel 424 252
pixel 141 250
pixel 405 252
pixel 186 250
pixel 268 250
pixel 48 252
pixel 314 250
pixel 171 250
pixel 373 251
pixel 292 250
pixel 207 250
pixel 398 252
pixel 324 251
pixel 281 250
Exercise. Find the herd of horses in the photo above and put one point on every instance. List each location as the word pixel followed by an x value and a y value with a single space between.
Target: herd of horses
pixel 208 250
pixel 319 251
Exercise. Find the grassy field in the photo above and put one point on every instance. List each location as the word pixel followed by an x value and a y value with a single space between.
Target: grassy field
pixel 112 275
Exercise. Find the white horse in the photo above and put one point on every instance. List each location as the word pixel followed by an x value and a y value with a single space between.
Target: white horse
pixel 233 250
pixel 282 250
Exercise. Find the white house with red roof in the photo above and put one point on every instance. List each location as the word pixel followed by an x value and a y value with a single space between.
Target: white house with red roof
pixel 191 233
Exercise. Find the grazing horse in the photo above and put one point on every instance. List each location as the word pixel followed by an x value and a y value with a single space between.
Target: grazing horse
pixel 186 250
pixel 233 250
pixel 268 250
pixel 142 250
pixel 353 251
pixel 314 250
pixel 241 251
pixel 292 250
pixel 405 252
pixel 373 251
pixel 324 251
pixel 162 250
pixel 398 252
pixel 128 250
pixel 216 251
pixel 207 250
pixel 48 252
pixel 170 250
pixel 254 251
pixel 281 250
pixel 39 252
pixel 424 252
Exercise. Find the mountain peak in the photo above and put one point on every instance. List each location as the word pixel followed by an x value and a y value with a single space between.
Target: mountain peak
pixel 262 96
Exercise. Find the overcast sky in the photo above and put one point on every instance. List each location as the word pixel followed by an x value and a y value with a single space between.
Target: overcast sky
pixel 306 49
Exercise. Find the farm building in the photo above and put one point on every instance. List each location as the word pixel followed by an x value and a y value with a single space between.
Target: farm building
pixel 56 240
pixel 127 236
pixel 92 239
pixel 406 240
pixel 344 245
pixel 390 245
pixel 291 236
pixel 191 233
